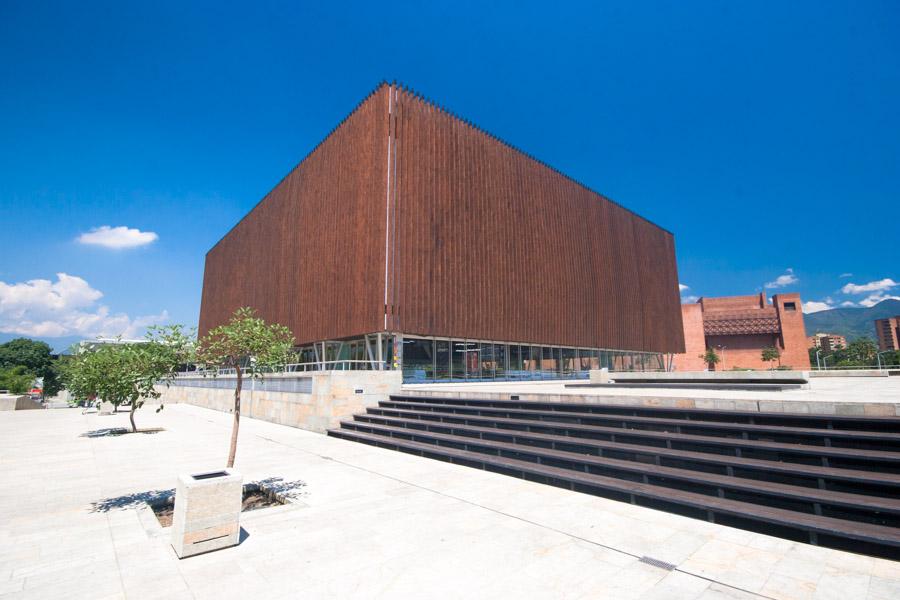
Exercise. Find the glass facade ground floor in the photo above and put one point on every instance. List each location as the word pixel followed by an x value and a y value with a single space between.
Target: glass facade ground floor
pixel 433 359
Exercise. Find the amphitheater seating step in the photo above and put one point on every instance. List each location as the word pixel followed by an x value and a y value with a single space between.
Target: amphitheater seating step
pixel 828 480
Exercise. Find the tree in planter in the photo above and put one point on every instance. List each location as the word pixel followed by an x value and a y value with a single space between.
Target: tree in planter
pixel 129 373
pixel 711 358
pixel 771 354
pixel 245 342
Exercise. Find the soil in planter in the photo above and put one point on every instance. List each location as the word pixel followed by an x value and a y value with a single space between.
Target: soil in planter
pixel 254 498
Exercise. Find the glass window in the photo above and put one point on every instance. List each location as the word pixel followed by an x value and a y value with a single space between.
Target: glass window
pixel 500 354
pixel 516 363
pixel 307 356
pixel 534 363
pixel 488 365
pixel 568 361
pixel 418 360
pixel 458 359
pixel 441 360
pixel 332 350
pixel 549 359
pixel 473 361
pixel 613 359
pixel 588 359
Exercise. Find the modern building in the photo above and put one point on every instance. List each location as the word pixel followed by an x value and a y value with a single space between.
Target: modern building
pixel 411 239
pixel 888 333
pixel 738 328
pixel 827 342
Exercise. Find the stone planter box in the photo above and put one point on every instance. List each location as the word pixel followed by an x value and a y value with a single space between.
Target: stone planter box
pixel 207 512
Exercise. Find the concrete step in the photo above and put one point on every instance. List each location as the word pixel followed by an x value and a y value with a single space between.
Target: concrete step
pixel 820 479
pixel 880 510
pixel 868 538
pixel 816 433
pixel 530 433
pixel 875 460
pixel 782 419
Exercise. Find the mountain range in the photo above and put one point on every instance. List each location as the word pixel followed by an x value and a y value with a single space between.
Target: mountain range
pixel 851 323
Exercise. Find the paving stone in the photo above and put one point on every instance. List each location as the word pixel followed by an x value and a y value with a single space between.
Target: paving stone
pixel 368 523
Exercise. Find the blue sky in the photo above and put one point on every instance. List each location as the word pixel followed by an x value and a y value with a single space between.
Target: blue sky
pixel 765 135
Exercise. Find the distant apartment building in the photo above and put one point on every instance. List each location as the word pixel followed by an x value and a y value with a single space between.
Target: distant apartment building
pixel 888 333
pixel 827 342
pixel 738 328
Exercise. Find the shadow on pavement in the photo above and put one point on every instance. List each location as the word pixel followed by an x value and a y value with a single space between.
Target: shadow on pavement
pixel 114 431
pixel 132 500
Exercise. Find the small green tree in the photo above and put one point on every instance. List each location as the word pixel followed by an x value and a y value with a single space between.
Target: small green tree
pixel 246 342
pixel 17 380
pixel 771 354
pixel 129 373
pixel 156 362
pixel 711 358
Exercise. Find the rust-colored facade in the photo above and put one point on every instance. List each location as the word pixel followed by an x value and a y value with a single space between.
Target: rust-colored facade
pixel 738 328
pixel 407 219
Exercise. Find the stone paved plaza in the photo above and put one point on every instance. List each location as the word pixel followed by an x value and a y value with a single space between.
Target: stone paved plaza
pixel 366 523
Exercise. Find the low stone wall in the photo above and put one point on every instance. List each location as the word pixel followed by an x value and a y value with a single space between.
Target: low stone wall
pixel 713 376
pixel 887 409
pixel 18 402
pixel 850 373
pixel 333 395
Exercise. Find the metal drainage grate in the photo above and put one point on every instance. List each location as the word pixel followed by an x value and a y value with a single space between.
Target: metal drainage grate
pixel 655 562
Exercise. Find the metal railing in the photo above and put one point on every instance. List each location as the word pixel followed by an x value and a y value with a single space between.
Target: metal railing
pixel 327 365
pixel 857 368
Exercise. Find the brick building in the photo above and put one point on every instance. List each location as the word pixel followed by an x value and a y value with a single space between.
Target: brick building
pixel 827 342
pixel 739 327
pixel 888 333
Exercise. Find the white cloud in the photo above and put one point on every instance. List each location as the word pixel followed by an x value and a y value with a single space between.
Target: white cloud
pixel 117 237
pixel 68 306
pixel 683 288
pixel 873 286
pixel 873 299
pixel 842 275
pixel 689 299
pixel 783 280
pixel 848 304
pixel 813 307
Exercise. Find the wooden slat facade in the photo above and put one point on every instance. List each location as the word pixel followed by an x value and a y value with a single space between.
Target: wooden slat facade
pixel 310 255
pixel 482 241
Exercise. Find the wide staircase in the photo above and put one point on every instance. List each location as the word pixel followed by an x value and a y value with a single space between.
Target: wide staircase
pixel 827 480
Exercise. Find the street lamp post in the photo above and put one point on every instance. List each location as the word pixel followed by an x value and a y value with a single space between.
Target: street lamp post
pixel 825 361
pixel 722 348
pixel 818 364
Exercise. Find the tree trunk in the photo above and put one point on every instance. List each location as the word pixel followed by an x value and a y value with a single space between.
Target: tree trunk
pixel 131 416
pixel 237 418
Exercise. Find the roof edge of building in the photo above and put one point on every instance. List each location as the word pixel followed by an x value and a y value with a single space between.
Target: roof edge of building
pixel 451 114
pixel 333 130
pixel 424 99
